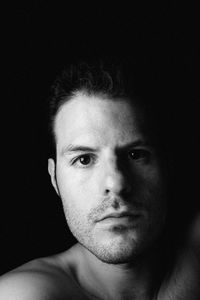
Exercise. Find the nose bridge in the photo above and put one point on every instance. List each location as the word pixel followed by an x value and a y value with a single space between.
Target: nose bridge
pixel 114 178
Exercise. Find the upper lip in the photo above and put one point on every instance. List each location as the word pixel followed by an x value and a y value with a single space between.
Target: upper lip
pixel 118 215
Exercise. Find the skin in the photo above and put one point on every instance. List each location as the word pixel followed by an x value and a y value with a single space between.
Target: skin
pixel 105 166
pixel 116 172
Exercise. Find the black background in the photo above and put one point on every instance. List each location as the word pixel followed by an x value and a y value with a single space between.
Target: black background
pixel 38 39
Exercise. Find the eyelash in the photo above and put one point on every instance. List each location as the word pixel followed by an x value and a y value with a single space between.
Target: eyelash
pixel 88 155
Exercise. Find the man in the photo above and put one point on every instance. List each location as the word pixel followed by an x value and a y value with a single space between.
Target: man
pixel 110 170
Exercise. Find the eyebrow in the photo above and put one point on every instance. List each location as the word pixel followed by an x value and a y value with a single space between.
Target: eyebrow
pixel 80 148
pixel 77 148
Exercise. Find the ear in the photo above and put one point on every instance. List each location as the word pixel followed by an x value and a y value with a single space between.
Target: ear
pixel 52 173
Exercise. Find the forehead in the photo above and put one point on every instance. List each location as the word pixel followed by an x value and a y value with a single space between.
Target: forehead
pixel 86 119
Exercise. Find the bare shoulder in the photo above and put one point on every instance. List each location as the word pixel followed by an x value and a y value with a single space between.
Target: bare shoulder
pixel 40 279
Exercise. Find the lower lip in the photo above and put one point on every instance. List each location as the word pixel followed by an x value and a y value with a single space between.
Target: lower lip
pixel 126 220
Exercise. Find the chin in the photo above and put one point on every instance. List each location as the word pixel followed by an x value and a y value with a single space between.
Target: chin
pixel 119 256
pixel 117 252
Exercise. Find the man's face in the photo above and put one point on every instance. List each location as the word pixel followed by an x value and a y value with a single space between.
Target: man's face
pixel 108 177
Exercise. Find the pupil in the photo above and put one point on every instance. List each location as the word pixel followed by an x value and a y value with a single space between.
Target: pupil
pixel 137 154
pixel 134 154
pixel 85 160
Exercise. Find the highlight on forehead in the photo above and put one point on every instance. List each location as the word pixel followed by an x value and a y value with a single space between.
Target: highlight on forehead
pixel 111 79
pixel 87 114
pixel 85 145
pixel 82 96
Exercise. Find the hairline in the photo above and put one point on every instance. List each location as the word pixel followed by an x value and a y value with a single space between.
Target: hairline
pixel 88 93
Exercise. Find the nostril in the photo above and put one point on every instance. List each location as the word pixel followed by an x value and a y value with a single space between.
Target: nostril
pixel 117 183
pixel 124 192
pixel 115 204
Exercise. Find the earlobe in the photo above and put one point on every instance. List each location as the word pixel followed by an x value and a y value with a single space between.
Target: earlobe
pixel 52 173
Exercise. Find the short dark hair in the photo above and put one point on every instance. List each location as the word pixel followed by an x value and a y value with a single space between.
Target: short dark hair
pixel 109 77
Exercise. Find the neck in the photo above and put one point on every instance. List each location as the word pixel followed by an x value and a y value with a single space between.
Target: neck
pixel 132 280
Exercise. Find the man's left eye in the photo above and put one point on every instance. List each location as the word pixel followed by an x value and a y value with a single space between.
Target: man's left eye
pixel 138 154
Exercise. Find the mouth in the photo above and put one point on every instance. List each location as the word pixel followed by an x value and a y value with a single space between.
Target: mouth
pixel 123 216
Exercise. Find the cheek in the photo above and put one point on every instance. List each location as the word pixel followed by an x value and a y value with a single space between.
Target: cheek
pixel 152 192
pixel 151 173
pixel 158 204
pixel 78 189
pixel 149 180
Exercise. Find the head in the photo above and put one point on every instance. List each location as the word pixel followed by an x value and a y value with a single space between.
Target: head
pixel 107 167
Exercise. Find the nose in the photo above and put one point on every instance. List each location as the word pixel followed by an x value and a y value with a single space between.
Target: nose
pixel 116 181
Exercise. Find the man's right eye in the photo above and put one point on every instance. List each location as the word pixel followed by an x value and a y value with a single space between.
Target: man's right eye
pixel 83 160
